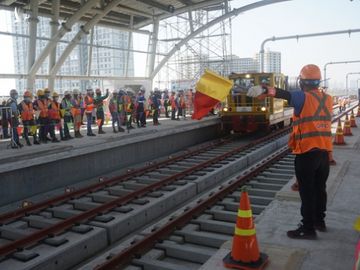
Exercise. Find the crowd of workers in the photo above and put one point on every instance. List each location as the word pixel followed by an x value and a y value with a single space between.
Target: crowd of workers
pixel 41 116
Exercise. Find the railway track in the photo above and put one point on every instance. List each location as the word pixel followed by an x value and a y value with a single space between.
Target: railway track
pixel 88 220
pixel 63 231
pixel 193 234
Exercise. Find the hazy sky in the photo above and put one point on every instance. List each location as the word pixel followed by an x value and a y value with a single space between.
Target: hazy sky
pixel 282 19
pixel 303 17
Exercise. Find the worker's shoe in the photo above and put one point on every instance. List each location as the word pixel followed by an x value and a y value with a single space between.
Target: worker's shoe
pixel 121 129
pixel 36 142
pixel 101 131
pixel 320 226
pixel 115 131
pixel 55 140
pixel 28 143
pixel 302 233
pixel 91 134
pixel 78 135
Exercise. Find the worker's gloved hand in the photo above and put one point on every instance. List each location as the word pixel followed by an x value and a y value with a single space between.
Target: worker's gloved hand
pixel 256 91
pixel 261 92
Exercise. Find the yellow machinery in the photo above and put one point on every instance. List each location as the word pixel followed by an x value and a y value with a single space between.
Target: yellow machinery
pixel 244 114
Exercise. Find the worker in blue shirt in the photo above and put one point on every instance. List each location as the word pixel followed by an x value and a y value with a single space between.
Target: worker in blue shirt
pixel 14 118
pixel 310 141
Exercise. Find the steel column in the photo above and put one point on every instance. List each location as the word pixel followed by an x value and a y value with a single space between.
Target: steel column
pixel 33 20
pixel 152 49
pixel 54 26
pixel 349 31
pixel 90 52
pixel 126 66
pixel 66 27
pixel 234 12
pixel 84 30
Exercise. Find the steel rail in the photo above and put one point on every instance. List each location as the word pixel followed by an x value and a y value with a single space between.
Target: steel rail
pixel 104 208
pixel 10 216
pixel 337 117
pixel 138 248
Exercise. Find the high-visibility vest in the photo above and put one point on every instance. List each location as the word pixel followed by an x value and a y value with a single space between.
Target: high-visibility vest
pixel 127 103
pixel 43 108
pixel 89 104
pixel 76 108
pixel 27 112
pixel 172 102
pixel 312 128
pixel 54 111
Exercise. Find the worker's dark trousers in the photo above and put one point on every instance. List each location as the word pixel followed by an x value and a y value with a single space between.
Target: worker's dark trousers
pixel 312 171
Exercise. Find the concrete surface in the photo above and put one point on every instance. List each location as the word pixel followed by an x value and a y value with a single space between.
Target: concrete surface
pixel 36 169
pixel 333 249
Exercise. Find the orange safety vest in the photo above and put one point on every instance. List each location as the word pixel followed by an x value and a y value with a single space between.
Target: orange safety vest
pixel 27 112
pixel 54 111
pixel 128 103
pixel 172 102
pixel 89 104
pixel 312 129
pixel 43 107
pixel 76 109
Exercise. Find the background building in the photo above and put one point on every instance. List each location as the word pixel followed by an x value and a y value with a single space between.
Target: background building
pixel 104 61
pixel 272 61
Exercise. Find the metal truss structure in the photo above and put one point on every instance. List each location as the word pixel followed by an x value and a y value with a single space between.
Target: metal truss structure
pixel 205 21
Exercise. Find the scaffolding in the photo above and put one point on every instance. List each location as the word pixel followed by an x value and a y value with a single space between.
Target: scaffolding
pixel 210 49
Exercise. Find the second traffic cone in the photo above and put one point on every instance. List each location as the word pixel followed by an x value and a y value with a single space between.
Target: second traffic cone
pixel 331 158
pixel 352 119
pixel 339 136
pixel 347 127
pixel 245 253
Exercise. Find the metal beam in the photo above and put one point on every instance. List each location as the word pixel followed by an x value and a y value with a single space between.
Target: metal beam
pixel 66 27
pixel 186 2
pixel 131 11
pixel 71 77
pixel 80 43
pixel 33 20
pixel 166 8
pixel 152 49
pixel 234 12
pixel 349 31
pixel 335 63
pixel 84 30
pixel 179 11
pixel 90 52
pixel 126 66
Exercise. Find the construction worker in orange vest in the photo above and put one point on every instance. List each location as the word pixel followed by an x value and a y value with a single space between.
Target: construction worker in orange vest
pixel 76 112
pixel 41 106
pixel 27 116
pixel 99 104
pixel 310 141
pixel 89 108
pixel 173 104
pixel 54 116
pixel 129 106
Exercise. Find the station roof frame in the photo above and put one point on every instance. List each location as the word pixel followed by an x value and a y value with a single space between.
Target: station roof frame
pixel 143 12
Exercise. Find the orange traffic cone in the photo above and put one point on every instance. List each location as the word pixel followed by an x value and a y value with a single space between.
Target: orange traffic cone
pixel 352 119
pixel 339 136
pixel 347 127
pixel 331 158
pixel 245 253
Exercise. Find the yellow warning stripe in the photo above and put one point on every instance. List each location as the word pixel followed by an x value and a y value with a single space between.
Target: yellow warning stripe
pixel 244 213
pixel 244 232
